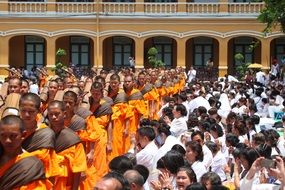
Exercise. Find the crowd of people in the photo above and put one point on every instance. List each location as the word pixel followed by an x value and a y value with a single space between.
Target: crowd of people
pixel 134 129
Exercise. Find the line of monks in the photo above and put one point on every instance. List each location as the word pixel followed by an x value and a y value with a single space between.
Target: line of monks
pixel 65 137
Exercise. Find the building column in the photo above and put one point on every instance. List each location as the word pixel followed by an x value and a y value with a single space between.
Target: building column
pixel 4 6
pixel 98 52
pixel 139 53
pixel 4 55
pixel 265 53
pixel 223 57
pixel 181 52
pixel 50 53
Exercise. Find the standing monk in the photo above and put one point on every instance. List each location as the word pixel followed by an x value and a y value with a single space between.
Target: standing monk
pixel 39 139
pixel 100 122
pixel 120 116
pixel 18 169
pixel 137 108
pixel 68 145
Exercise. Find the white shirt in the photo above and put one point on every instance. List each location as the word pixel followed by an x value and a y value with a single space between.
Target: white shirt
pixel 146 156
pixel 178 126
pixel 219 162
pixel 168 144
pixel 191 75
pixel 199 101
pixel 208 157
pixel 199 169
pixel 34 89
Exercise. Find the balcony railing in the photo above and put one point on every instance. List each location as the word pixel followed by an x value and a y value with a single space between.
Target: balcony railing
pixel 132 8
pixel 75 8
pixel 27 7
pixel 160 8
pixel 203 8
pixel 118 8
pixel 245 8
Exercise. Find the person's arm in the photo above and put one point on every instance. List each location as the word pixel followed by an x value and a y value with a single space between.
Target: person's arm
pixel 110 136
pixel 76 180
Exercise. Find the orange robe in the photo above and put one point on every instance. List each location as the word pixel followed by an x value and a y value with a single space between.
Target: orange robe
pixel 120 117
pixel 47 155
pixel 138 108
pixel 42 184
pixel 74 158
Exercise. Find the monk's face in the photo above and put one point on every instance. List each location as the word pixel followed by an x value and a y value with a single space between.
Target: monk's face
pixel 141 79
pixel 14 86
pixel 53 88
pixel 24 87
pixel 114 85
pixel 28 111
pixel 97 94
pixel 11 137
pixel 56 118
pixel 69 103
pixel 128 82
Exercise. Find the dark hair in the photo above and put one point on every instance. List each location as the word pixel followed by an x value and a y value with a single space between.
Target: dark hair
pixel 120 164
pixel 212 177
pixel 217 128
pixel 197 133
pixel 13 120
pixel 250 155
pixel 146 132
pixel 195 186
pixel 114 175
pixel 232 139
pixel 72 94
pixel 181 108
pixel 32 97
pixel 58 103
pixel 212 146
pixel 189 172
pixel 196 147
pixel 142 170
pixel 172 161
pixel 258 138
pixel 164 129
pixel 115 77
pixel 179 148
pixel 97 86
pixel 201 110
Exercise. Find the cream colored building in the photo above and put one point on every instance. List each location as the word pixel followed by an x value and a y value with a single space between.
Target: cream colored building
pixel 106 34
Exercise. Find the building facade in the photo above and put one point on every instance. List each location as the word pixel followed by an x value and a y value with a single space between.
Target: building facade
pixel 106 33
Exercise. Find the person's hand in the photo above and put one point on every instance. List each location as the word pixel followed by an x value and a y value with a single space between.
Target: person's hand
pixel 207 136
pixel 90 158
pixel 166 120
pixel 155 185
pixel 125 133
pixel 279 171
pixel 164 177
pixel 109 147
pixel 256 166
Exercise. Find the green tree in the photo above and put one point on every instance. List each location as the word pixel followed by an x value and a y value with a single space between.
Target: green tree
pixel 152 58
pixel 273 15
pixel 242 68
pixel 59 66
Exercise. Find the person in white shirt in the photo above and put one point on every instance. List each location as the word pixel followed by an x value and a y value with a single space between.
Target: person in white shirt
pixel 194 155
pixel 147 146
pixel 166 141
pixel 219 160
pixel 191 74
pixel 198 136
pixel 178 125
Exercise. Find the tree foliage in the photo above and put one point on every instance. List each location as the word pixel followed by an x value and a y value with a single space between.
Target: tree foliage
pixel 152 58
pixel 59 66
pixel 273 15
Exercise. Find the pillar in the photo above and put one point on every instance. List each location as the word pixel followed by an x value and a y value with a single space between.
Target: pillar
pixel 265 53
pixel 182 8
pixel 4 6
pixel 224 7
pixel 51 6
pixel 50 52
pixel 4 55
pixel 223 57
pixel 181 52
pixel 139 53
pixel 139 6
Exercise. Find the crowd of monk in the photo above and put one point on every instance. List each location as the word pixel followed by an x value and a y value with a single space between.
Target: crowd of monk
pixel 65 136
